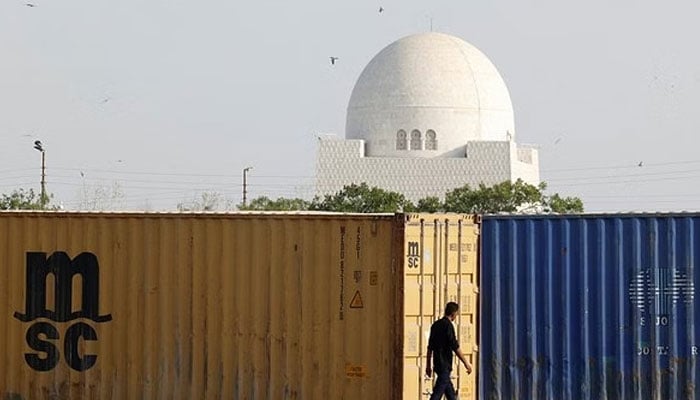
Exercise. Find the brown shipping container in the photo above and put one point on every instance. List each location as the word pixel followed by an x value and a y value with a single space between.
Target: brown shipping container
pixel 230 306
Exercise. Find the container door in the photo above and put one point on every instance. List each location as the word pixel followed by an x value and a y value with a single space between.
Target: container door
pixel 440 266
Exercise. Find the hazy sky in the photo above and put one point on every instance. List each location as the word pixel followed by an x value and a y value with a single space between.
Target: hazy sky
pixel 167 99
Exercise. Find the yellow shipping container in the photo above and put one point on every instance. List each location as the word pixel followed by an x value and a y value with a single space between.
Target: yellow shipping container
pixel 234 306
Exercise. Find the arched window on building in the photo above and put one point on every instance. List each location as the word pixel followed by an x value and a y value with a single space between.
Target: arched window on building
pixel 430 140
pixel 401 140
pixel 416 140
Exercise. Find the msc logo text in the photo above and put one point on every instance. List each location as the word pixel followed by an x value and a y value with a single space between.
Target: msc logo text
pixel 63 269
pixel 413 255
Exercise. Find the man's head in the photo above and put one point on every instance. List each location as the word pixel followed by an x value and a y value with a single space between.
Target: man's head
pixel 451 310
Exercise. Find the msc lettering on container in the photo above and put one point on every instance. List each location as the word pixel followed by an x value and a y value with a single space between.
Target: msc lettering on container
pixel 42 335
pixel 413 256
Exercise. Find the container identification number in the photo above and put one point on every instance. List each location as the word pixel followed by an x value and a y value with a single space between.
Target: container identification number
pixel 661 351
pixel 646 351
pixel 659 320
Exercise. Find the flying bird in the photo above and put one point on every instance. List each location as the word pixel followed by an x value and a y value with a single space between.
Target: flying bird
pixel 557 140
pixel 640 163
pixel 30 5
pixel 381 9
pixel 333 60
pixel 106 99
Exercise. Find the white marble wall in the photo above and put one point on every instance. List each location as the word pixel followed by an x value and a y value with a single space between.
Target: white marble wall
pixel 341 162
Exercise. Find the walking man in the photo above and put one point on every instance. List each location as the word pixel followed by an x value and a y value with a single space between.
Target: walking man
pixel 441 344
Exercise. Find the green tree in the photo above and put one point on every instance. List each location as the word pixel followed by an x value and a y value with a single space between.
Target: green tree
pixel 430 204
pixel 264 203
pixel 508 197
pixel 503 197
pixel 362 199
pixel 21 199
pixel 564 205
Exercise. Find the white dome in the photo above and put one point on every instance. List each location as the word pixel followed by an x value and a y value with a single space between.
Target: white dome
pixel 433 86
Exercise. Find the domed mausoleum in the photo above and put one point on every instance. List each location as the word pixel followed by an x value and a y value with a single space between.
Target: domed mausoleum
pixel 429 113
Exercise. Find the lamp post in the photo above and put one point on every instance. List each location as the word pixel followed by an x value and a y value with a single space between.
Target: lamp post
pixel 245 184
pixel 38 146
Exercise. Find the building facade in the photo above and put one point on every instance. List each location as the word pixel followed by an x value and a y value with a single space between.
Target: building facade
pixel 428 114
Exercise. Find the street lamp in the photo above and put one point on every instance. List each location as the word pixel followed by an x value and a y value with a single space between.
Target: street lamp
pixel 38 146
pixel 245 184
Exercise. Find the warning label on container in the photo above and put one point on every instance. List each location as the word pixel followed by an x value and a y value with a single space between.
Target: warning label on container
pixel 355 371
pixel 357 300
pixel 357 276
pixel 373 278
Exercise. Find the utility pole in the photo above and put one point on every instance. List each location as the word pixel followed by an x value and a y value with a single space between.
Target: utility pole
pixel 38 146
pixel 245 185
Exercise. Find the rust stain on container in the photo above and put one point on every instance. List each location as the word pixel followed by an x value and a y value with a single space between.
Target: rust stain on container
pixel 244 306
pixel 355 371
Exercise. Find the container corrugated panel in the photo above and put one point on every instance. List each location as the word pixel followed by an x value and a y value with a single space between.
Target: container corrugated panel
pixel 440 265
pixel 590 307
pixel 157 306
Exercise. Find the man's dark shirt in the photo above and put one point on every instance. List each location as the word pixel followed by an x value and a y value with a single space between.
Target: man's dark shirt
pixel 442 342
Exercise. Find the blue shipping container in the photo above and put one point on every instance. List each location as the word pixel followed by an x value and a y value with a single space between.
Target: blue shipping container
pixel 590 307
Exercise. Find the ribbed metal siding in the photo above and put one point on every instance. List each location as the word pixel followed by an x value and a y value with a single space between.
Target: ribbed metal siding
pixel 441 256
pixel 212 306
pixel 590 307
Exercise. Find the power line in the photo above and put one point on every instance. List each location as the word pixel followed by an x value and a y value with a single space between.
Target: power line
pixel 640 196
pixel 453 175
pixel 625 176
pixel 16 177
pixel 557 170
pixel 624 181
pixel 622 166
pixel 9 171
pixel 236 176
